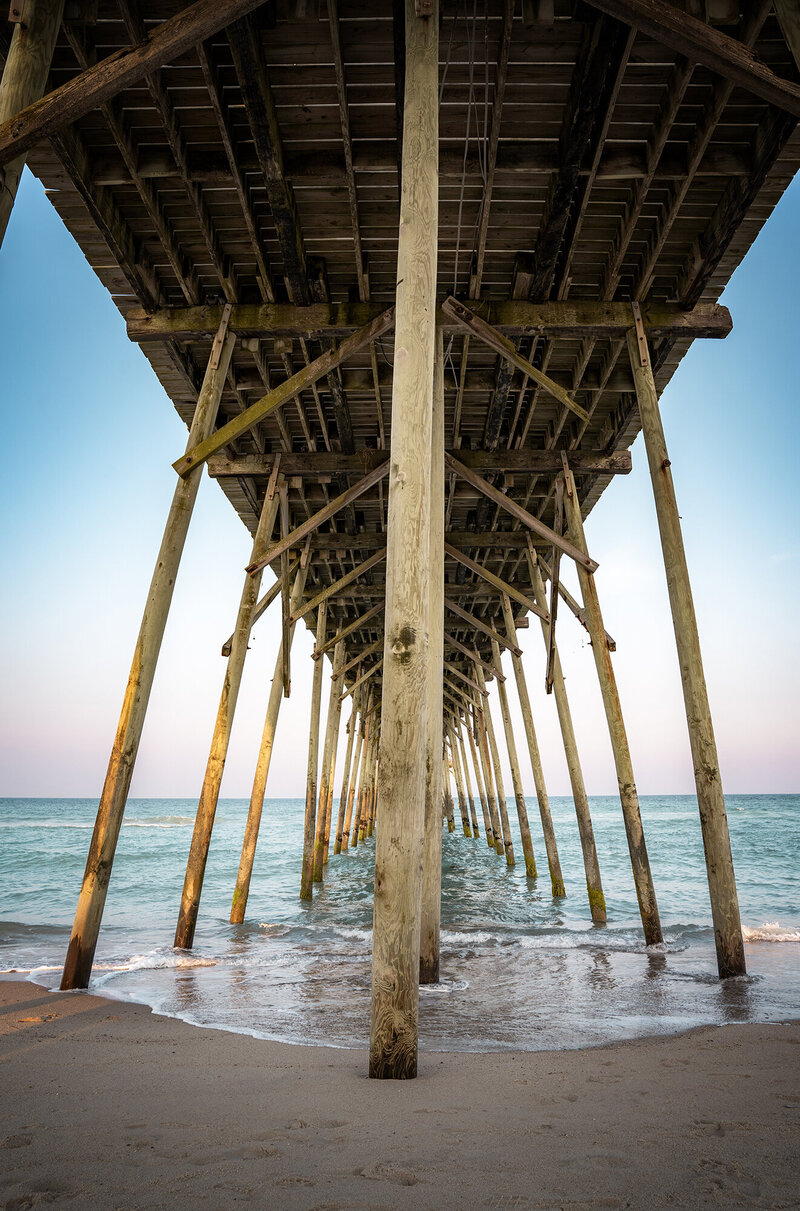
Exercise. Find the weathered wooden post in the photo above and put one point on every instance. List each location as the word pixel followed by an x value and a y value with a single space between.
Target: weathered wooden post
pixel 398 856
pixel 488 779
pixel 643 879
pixel 430 918
pixel 82 944
pixel 476 832
pixel 710 797
pixel 253 825
pixel 591 866
pixel 23 82
pixel 362 784
pixel 331 777
pixel 215 767
pixel 487 821
pixel 460 791
pixel 307 872
pixel 556 878
pixel 354 780
pixel 449 807
pixel 334 706
pixel 348 761
pixel 516 779
pixel 502 806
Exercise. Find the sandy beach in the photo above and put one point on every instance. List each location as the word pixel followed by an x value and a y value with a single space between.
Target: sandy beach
pixel 106 1105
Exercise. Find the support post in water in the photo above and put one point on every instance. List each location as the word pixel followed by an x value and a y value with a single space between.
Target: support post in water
pixel 516 779
pixel 215 767
pixel 89 913
pixel 710 797
pixel 591 865
pixel 398 855
pixel 307 873
pixel 553 862
pixel 502 806
pixel 253 825
pixel 643 879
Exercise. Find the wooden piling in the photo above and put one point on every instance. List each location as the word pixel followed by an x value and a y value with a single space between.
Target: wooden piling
pixel 476 832
pixel 553 862
pixel 430 911
pixel 328 755
pixel 449 810
pixel 591 865
pixel 460 790
pixel 82 944
pixel 643 879
pixel 398 857
pixel 353 787
pixel 309 821
pixel 502 806
pixel 476 765
pixel 256 807
pixel 710 797
pixel 215 766
pixel 348 760
pixel 23 81
pixel 488 777
pixel 516 778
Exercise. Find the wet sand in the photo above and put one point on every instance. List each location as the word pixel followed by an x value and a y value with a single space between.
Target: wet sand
pixel 105 1105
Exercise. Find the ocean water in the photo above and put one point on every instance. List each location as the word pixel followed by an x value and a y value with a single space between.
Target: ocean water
pixel 520 970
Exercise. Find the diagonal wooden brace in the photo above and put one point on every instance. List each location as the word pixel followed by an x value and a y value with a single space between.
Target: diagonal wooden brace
pixel 281 395
pixel 323 515
pixel 467 319
pixel 516 510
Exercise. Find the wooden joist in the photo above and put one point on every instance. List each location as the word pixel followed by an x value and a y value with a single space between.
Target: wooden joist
pixel 702 43
pixel 119 70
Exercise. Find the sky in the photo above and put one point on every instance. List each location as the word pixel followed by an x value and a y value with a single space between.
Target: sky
pixel 90 437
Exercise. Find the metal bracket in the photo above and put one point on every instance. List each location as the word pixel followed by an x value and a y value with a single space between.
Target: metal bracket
pixel 644 352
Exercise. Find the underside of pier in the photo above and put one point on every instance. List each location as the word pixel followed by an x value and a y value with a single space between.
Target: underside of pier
pixel 415 275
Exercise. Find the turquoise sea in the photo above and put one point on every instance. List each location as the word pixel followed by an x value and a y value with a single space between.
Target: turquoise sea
pixel 519 969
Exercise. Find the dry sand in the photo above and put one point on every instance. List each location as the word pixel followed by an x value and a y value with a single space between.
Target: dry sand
pixel 106 1105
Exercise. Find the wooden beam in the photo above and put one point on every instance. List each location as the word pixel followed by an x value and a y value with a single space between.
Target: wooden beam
pixel 118 71
pixel 454 671
pixel 315 464
pixel 702 43
pixel 467 319
pixel 364 677
pixel 111 809
pixel 355 625
pixel 480 625
pixel 338 585
pixel 708 783
pixel 570 319
pixel 493 580
pixel 472 655
pixel 516 510
pixel 788 15
pixel 603 51
pixel 319 518
pixel 362 655
pixel 286 391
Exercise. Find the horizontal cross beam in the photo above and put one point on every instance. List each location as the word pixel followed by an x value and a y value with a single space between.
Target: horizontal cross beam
pixel 312 465
pixel 572 319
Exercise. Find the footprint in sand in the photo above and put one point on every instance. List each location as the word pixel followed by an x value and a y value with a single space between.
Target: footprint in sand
pixel 389 1173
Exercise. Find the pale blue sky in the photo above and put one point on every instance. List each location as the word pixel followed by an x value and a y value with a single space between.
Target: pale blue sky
pixel 89 439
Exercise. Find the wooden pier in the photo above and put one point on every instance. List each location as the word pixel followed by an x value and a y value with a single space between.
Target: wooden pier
pixel 415 278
